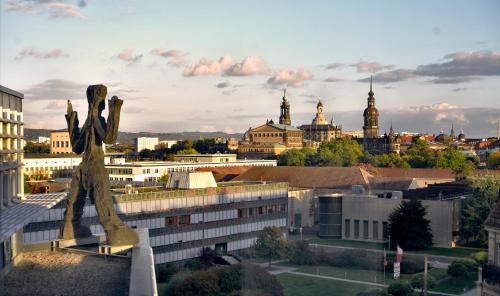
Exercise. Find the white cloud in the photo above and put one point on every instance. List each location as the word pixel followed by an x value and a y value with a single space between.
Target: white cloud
pixel 37 54
pixel 291 78
pixel 371 67
pixel 251 65
pixel 52 8
pixel 209 67
pixel 128 56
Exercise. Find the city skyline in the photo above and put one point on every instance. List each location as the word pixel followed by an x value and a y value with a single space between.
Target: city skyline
pixel 193 67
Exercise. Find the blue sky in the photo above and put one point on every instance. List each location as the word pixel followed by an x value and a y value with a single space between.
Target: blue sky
pixel 222 65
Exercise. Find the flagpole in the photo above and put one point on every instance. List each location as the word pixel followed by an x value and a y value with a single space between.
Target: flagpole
pixel 384 265
pixel 425 276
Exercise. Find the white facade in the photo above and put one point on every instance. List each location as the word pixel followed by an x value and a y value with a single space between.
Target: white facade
pixel 11 146
pixel 168 143
pixel 142 143
pixel 60 165
pixel 148 171
pixel 217 157
pixel 182 222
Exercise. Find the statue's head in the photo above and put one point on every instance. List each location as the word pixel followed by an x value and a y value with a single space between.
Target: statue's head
pixel 96 95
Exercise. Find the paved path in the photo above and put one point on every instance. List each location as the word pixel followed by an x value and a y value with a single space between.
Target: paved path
pixel 360 282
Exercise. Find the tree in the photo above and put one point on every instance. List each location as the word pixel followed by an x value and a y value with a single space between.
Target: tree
pixel 455 160
pixel 187 151
pixel 458 270
pixel 477 208
pixel 417 282
pixel 200 283
pixel 408 226
pixel 271 243
pixel 301 253
pixel 493 160
pixel 339 152
pixel 32 147
pixel 164 178
pixel 292 157
pixel 420 155
pixel 400 289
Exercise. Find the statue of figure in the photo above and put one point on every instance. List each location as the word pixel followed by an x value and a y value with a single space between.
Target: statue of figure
pixel 91 176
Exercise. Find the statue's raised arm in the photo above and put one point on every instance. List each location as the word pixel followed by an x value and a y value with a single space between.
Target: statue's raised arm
pixel 114 106
pixel 73 129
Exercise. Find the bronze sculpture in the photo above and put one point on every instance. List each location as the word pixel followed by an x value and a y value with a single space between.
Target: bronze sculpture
pixel 91 176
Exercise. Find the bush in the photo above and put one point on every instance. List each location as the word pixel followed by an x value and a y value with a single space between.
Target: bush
pixel 400 289
pixel 481 257
pixel 458 270
pixel 240 279
pixel 199 283
pixel 165 272
pixel 417 281
pixel 411 265
pixel 375 292
pixel 301 254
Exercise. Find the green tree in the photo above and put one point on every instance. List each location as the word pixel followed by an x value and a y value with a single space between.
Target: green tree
pixel 271 244
pixel 408 226
pixel 419 155
pixel 292 157
pixel 417 282
pixel 400 289
pixel 164 178
pixel 477 208
pixel 493 160
pixel 187 151
pixel 32 147
pixel 455 160
pixel 301 253
pixel 458 270
pixel 390 160
pixel 340 152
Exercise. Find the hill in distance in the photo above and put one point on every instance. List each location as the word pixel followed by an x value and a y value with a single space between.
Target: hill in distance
pixel 128 137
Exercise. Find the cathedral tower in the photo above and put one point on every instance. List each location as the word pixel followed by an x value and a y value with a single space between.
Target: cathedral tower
pixel 370 128
pixel 285 110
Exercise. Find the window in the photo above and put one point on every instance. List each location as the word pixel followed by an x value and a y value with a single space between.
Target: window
pixel 347 226
pixel 171 221
pixel 184 219
pixel 385 233
pixel 261 211
pixel 375 229
pixel 356 228
pixel 365 229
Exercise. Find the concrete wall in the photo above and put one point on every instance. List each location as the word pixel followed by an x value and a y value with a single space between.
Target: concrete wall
pixel 301 204
pixel 444 217
pixel 493 245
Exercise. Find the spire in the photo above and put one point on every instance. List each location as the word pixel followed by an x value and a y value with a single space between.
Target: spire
pixel 371 90
pixel 452 132
pixel 391 131
pixel 284 93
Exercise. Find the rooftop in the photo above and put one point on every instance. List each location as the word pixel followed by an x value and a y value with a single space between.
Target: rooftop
pixel 173 163
pixel 11 92
pixel 66 273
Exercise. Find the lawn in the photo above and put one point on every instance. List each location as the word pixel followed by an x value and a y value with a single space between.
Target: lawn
pixel 296 285
pixel 438 251
pixel 353 274
pixel 348 243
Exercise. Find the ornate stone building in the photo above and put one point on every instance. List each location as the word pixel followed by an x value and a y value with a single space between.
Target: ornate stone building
pixel 271 139
pixel 389 143
pixel 320 129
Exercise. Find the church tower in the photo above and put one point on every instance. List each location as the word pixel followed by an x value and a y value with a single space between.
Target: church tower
pixel 370 128
pixel 285 110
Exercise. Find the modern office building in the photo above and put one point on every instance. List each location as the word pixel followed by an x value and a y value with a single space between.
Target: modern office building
pixel 11 175
pixel 217 157
pixel 151 171
pixel 60 142
pixel 11 146
pixel 181 222
pixel 142 143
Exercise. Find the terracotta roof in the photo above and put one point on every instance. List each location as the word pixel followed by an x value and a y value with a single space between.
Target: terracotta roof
pixel 343 177
pixel 405 173
pixel 222 174
pixel 307 177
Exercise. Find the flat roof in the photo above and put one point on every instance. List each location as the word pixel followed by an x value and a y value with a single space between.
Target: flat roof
pixel 11 92
pixel 19 215
pixel 174 163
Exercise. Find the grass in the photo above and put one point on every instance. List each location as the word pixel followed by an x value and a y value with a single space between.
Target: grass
pixel 296 285
pixel 462 252
pixel 353 274
pixel 450 285
pixel 348 243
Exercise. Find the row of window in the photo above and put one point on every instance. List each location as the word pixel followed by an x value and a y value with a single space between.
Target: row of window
pixel 60 144
pixel 366 229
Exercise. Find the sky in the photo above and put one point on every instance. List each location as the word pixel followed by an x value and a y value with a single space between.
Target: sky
pixel 223 65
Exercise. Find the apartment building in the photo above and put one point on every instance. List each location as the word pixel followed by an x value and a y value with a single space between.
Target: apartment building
pixel 60 142
pixel 142 143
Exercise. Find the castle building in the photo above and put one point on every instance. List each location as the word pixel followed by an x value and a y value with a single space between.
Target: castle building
pixel 271 139
pixel 371 141
pixel 320 129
